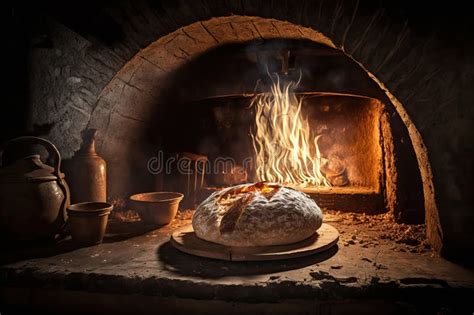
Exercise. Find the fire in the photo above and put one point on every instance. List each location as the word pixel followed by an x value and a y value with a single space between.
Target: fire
pixel 286 149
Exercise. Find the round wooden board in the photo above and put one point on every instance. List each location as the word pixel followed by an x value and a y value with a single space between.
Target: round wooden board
pixel 185 240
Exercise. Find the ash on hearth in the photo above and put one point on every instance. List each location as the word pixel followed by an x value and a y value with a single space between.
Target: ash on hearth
pixel 374 230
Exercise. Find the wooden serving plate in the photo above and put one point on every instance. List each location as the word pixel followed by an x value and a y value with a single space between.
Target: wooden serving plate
pixel 185 240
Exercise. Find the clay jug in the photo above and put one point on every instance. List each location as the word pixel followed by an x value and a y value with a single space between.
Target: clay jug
pixel 87 172
pixel 33 195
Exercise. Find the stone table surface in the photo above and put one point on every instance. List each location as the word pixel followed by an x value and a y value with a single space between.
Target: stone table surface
pixel 140 260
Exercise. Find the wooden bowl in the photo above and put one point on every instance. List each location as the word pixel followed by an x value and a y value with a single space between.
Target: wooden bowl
pixel 156 208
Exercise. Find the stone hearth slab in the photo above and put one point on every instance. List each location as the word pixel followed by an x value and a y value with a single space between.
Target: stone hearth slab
pixel 142 262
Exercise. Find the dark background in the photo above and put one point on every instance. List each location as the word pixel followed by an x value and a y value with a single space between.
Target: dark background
pixel 450 22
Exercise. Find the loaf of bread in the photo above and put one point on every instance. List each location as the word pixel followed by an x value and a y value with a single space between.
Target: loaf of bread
pixel 258 214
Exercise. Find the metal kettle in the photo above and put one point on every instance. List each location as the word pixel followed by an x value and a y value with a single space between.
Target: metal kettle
pixel 33 195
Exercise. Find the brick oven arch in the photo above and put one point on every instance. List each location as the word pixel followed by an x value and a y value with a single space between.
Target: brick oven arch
pixel 124 106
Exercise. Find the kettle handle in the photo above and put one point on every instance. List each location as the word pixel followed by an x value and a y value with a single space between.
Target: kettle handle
pixel 51 148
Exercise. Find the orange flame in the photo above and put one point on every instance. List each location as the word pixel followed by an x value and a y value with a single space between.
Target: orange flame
pixel 286 150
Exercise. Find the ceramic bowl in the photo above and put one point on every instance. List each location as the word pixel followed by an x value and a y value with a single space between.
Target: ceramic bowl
pixel 156 208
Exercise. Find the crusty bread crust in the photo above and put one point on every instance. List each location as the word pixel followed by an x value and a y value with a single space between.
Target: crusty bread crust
pixel 283 216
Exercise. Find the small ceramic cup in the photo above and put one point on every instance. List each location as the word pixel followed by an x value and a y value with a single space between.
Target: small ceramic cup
pixel 88 221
